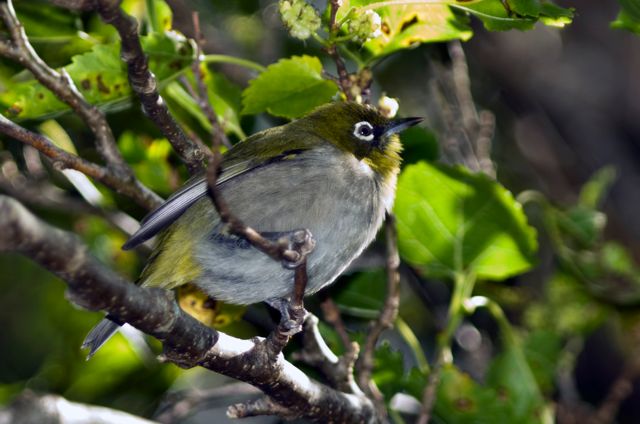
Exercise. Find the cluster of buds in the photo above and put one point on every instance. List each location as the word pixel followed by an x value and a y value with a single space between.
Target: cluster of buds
pixel 300 18
pixel 365 26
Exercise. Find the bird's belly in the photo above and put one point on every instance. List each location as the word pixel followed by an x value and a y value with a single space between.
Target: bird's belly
pixel 341 206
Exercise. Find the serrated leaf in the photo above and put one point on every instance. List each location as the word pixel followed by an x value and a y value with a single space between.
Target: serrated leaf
pixel 289 88
pixel 100 76
pixel 405 26
pixel 523 14
pixel 451 221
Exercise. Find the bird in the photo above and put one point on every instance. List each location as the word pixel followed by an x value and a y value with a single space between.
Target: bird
pixel 332 172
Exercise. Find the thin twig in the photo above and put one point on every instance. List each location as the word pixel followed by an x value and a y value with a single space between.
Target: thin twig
pixel 622 386
pixel 63 159
pixel 218 136
pixel 429 394
pixel 344 80
pixel 61 84
pixel 469 133
pixel 388 314
pixel 144 83
pixel 332 316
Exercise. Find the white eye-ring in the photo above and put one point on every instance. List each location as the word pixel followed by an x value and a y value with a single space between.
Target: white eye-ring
pixel 363 130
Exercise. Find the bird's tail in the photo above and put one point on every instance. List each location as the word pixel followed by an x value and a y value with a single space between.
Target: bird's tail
pixel 99 336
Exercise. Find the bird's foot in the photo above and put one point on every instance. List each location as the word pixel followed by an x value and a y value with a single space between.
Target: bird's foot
pixel 300 242
pixel 291 318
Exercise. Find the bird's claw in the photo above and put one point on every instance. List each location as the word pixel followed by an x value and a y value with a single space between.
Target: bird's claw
pixel 291 317
pixel 300 242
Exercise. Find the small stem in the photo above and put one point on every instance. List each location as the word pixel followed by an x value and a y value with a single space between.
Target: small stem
pixel 343 38
pixel 410 338
pixel 221 58
pixel 462 289
pixel 152 18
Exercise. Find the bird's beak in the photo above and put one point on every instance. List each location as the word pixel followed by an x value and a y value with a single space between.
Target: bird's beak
pixel 398 125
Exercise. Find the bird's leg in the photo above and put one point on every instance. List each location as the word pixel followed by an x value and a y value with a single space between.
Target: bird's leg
pixel 292 312
pixel 291 318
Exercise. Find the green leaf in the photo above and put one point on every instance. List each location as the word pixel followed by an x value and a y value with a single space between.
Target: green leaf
pixel 289 88
pixel 159 14
pixel 225 98
pixel 542 348
pixel 629 16
pixel 509 374
pixel 405 26
pixel 55 34
pixel 594 191
pixel 462 400
pixel 523 16
pixel 363 295
pixel 100 76
pixel 581 226
pixel 567 308
pixel 390 376
pixel 509 395
pixel 452 221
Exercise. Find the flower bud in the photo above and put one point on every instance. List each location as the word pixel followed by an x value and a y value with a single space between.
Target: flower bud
pixel 300 18
pixel 388 106
pixel 366 26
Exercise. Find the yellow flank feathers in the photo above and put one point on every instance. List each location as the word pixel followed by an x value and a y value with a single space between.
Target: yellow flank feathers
pixel 173 264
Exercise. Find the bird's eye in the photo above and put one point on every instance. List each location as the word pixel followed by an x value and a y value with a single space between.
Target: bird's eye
pixel 363 131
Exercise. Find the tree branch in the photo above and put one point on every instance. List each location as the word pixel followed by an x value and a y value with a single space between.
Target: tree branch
pixel 144 84
pixel 63 159
pixel 30 408
pixel 155 312
pixel 316 353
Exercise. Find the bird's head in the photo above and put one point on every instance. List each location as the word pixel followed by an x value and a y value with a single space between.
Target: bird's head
pixel 362 131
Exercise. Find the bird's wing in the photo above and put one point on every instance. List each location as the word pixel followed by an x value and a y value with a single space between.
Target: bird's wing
pixel 236 162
